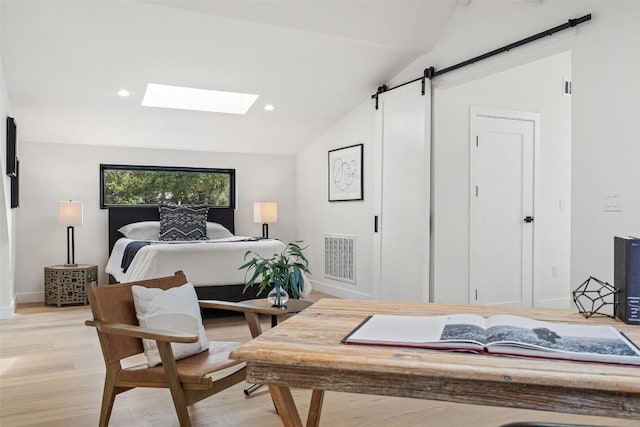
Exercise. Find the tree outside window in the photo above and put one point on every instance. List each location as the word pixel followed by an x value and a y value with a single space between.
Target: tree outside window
pixel 152 185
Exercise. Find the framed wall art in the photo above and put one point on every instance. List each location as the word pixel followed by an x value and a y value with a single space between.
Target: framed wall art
pixel 345 174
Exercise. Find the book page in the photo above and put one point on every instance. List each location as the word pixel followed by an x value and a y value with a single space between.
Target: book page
pixel 464 328
pixel 425 331
pixel 594 340
pixel 381 328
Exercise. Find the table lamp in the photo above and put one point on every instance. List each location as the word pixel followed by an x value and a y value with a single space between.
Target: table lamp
pixel 70 214
pixel 265 213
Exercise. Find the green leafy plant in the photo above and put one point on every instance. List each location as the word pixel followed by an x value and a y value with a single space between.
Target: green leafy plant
pixel 284 270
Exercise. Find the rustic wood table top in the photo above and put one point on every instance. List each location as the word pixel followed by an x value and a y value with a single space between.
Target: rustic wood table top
pixel 305 352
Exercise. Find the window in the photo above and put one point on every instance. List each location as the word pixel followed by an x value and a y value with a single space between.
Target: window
pixel 150 185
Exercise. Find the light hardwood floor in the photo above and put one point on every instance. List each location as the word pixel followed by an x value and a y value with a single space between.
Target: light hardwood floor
pixel 51 374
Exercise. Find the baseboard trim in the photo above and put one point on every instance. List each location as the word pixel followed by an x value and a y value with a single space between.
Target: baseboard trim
pixel 338 291
pixel 28 297
pixel 6 312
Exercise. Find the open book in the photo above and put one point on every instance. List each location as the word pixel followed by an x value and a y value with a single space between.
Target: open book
pixel 499 334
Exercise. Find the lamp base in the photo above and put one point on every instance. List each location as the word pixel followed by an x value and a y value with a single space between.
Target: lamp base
pixel 71 248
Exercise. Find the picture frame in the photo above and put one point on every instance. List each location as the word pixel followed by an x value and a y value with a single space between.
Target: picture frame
pixel 345 173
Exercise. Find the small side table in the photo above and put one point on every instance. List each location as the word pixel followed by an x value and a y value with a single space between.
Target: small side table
pixel 64 284
pixel 251 309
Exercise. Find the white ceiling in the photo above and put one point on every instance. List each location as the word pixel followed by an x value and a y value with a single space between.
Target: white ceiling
pixel 315 61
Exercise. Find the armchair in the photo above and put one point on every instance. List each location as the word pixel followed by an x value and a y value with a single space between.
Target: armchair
pixel 188 379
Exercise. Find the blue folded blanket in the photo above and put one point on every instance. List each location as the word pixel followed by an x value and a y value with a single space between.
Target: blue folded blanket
pixel 130 252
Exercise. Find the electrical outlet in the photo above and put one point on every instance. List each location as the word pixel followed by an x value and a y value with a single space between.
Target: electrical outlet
pixel 554 271
pixel 612 202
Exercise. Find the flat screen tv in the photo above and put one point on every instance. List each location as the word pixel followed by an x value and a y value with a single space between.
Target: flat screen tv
pixel 11 146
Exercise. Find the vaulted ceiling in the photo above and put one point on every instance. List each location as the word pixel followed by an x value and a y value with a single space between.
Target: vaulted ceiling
pixel 314 61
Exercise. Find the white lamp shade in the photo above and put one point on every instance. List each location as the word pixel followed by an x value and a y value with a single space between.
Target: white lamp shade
pixel 265 212
pixel 69 213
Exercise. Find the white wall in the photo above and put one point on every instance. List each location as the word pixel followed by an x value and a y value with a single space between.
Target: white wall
pixel 317 216
pixel 535 87
pixel 604 68
pixel 604 151
pixel 606 146
pixel 7 234
pixel 51 172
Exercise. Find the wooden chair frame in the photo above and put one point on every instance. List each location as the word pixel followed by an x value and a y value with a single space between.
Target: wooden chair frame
pixel 121 337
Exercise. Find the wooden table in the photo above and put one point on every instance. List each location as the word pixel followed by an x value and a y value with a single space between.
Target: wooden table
pixel 305 352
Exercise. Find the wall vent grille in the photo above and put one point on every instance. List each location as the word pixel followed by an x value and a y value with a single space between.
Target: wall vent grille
pixel 340 257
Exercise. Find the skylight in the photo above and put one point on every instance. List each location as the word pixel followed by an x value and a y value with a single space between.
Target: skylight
pixel 186 98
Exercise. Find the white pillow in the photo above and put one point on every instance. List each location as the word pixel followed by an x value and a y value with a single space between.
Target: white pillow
pixel 145 230
pixel 175 309
pixel 217 231
pixel 150 230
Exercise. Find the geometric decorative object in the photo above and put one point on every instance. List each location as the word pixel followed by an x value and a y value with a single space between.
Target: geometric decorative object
pixel 68 285
pixel 595 297
pixel 265 213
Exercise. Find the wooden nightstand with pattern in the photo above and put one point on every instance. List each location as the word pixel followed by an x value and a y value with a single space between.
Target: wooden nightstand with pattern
pixel 66 284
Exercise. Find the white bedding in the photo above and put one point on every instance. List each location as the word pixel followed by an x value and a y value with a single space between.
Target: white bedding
pixel 206 262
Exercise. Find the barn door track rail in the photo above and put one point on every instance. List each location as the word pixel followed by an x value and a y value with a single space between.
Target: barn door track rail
pixel 430 73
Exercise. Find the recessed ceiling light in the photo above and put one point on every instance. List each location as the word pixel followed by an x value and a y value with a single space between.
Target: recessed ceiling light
pixel 123 93
pixel 269 107
pixel 186 98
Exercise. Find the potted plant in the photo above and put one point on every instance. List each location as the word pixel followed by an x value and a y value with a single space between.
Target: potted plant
pixel 283 272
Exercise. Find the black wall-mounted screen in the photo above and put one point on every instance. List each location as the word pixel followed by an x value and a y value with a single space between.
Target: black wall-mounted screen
pixel 11 147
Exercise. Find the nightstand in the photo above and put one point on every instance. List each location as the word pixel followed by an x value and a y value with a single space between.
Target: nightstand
pixel 65 284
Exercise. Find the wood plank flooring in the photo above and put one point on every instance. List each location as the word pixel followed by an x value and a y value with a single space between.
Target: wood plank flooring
pixel 51 374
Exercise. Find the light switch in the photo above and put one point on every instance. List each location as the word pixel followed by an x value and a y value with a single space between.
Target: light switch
pixel 612 202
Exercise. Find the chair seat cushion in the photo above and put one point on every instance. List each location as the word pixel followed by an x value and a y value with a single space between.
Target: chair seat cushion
pixel 191 370
pixel 175 309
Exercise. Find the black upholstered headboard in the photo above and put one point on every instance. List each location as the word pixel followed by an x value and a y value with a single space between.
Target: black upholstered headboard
pixel 123 215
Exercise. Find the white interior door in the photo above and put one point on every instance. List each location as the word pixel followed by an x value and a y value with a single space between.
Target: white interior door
pixel 501 208
pixel 401 201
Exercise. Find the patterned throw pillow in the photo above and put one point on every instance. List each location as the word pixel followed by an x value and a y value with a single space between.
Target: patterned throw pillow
pixel 183 222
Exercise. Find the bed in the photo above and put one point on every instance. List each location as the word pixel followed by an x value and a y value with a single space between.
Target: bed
pixel 211 265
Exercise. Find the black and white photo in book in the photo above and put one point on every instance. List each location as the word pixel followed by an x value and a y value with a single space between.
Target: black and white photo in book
pixel 345 173
pixel 500 334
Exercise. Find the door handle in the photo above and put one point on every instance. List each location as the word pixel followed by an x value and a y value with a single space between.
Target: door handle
pixel 528 219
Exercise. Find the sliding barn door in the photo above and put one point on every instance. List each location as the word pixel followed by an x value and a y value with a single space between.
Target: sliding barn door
pixel 402 195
